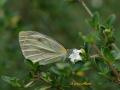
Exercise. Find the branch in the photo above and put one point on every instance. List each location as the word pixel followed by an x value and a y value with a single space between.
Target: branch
pixel 86 8
pixel 96 48
pixel 109 63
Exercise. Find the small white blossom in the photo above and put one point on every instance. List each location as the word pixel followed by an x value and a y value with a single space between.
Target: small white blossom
pixel 75 55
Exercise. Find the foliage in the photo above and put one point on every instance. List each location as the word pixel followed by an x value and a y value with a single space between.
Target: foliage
pixel 100 67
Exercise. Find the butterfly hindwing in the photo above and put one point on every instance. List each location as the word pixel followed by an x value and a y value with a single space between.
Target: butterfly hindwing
pixel 40 48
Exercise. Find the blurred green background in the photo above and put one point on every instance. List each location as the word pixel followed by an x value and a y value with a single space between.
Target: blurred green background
pixel 60 19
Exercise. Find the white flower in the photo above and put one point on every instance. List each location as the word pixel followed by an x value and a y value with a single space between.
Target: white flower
pixel 75 55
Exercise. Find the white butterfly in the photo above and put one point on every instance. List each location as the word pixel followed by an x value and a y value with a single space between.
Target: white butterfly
pixel 41 48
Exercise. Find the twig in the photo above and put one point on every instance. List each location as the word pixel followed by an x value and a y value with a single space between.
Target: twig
pixel 109 63
pixel 86 8
pixel 97 49
pixel 94 56
pixel 29 84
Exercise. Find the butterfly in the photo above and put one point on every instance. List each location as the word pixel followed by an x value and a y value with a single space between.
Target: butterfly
pixel 40 48
pixel 43 49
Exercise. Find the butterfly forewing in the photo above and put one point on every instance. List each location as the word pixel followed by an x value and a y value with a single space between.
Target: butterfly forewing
pixel 40 48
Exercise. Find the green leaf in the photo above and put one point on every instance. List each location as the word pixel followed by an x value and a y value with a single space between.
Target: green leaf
pixel 90 38
pixel 117 65
pixel 95 21
pixel 12 80
pixel 108 55
pixel 31 65
pixel 62 66
pixel 116 54
pixel 86 47
pixel 104 69
pixel 55 71
pixel 46 76
pixel 110 20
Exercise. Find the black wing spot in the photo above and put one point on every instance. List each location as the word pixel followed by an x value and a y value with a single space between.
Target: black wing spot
pixel 40 39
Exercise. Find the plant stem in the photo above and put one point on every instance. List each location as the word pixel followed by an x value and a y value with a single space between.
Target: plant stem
pixel 29 84
pixel 97 49
pixel 109 63
pixel 86 8
pixel 94 56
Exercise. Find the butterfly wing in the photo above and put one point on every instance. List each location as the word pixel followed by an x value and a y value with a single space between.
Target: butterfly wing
pixel 40 48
